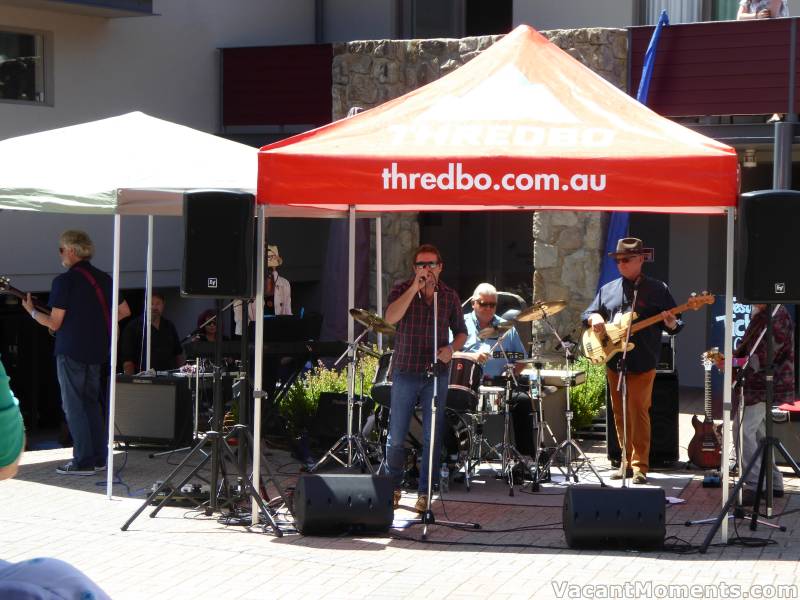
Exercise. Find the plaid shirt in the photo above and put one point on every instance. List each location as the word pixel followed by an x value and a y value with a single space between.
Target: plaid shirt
pixel 413 342
pixel 755 385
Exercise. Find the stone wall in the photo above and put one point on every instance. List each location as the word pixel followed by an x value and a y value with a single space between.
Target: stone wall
pixel 566 244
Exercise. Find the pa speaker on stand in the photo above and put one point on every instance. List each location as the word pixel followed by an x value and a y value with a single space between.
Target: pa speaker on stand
pixel 218 244
pixel 766 246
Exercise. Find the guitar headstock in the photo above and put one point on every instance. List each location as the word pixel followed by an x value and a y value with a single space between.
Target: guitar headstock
pixel 4 283
pixel 710 357
pixel 697 301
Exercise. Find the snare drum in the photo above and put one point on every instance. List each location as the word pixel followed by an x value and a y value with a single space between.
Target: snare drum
pixel 382 384
pixel 465 379
pixel 491 399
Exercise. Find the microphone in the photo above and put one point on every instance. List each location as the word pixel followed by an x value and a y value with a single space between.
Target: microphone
pixel 419 293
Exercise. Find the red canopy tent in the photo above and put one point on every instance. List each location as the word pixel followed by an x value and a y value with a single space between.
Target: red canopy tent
pixel 521 126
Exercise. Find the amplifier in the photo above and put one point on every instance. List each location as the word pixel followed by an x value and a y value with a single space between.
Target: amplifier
pixel 153 410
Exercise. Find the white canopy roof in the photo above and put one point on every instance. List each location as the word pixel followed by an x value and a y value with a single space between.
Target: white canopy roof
pixel 130 164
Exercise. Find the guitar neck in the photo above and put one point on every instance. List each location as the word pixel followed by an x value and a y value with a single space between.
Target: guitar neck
pixel 17 293
pixel 707 397
pixel 639 325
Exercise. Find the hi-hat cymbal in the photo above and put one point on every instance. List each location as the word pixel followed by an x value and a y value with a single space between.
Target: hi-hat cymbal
pixel 372 321
pixel 541 310
pixel 493 332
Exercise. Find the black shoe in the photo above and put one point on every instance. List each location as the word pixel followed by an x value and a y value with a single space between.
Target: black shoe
pixel 72 469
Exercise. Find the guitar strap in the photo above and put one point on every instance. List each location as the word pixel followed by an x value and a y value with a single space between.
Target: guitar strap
pixel 100 296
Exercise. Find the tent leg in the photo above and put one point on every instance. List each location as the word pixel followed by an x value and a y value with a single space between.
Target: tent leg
pixel 112 395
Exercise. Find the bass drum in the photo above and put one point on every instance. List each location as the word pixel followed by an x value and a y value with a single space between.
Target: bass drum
pixel 458 441
pixel 382 384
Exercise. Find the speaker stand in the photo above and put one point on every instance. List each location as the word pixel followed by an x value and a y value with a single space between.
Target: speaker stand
pixel 766 445
pixel 218 443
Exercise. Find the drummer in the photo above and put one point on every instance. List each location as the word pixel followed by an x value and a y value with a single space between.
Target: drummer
pixel 496 356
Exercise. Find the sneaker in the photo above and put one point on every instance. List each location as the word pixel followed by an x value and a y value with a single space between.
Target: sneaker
pixel 72 469
pixel 99 469
pixel 639 478
pixel 422 504
pixel 396 499
pixel 618 474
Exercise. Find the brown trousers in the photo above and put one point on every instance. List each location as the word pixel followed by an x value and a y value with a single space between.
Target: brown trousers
pixel 640 396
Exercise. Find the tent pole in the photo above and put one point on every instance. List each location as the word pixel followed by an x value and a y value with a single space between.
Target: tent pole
pixel 379 274
pixel 258 356
pixel 112 395
pixel 149 290
pixel 728 373
pixel 351 300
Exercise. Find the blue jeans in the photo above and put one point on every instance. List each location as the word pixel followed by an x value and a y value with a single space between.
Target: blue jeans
pixel 80 399
pixel 409 389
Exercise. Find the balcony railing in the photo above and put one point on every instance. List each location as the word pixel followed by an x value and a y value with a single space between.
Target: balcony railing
pixel 720 68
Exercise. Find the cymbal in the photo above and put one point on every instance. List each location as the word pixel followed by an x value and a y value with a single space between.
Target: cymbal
pixel 493 332
pixel 541 310
pixel 372 321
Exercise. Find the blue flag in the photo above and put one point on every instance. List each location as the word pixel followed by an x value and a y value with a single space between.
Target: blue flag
pixel 618 224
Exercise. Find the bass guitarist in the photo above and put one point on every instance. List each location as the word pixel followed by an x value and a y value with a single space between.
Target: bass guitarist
pixel 616 298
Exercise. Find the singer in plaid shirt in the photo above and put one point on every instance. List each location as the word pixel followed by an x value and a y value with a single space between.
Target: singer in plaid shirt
pixel 411 307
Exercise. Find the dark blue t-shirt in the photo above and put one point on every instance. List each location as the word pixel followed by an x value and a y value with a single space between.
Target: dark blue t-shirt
pixel 83 335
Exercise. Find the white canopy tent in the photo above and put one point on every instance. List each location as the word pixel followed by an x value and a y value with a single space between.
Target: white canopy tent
pixel 133 164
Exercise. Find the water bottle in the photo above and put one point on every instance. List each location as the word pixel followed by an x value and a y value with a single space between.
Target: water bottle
pixel 444 479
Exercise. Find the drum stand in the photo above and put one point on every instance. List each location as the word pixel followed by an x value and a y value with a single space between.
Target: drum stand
pixel 350 440
pixel 428 517
pixel 568 445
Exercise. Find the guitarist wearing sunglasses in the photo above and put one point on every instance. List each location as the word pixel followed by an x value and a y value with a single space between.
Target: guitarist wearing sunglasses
pixel 652 299
pixel 81 319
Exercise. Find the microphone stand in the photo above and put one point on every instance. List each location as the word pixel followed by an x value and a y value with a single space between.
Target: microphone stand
pixel 569 444
pixel 622 388
pixel 428 517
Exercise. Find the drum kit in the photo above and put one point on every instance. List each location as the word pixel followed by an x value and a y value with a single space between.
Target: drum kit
pixel 471 400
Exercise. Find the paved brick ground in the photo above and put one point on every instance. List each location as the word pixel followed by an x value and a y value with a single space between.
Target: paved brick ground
pixel 184 554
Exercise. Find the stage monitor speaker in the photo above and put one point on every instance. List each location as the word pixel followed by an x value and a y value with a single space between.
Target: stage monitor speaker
pixel 614 517
pixel 340 503
pixel 766 271
pixel 663 422
pixel 153 410
pixel 218 244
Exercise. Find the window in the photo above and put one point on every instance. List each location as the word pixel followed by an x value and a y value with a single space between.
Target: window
pixel 22 66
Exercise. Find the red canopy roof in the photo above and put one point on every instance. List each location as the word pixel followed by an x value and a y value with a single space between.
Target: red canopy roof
pixel 523 125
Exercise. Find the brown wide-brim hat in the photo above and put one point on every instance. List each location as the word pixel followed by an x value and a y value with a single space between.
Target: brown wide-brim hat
pixel 274 259
pixel 629 247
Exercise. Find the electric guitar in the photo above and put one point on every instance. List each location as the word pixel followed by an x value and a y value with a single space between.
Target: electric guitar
pixel 7 288
pixel 705 449
pixel 599 349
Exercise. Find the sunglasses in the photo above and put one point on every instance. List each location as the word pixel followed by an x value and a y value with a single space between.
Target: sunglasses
pixel 624 260
pixel 429 263
pixel 483 304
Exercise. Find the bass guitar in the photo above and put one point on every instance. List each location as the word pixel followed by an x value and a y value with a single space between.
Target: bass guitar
pixel 600 348
pixel 705 449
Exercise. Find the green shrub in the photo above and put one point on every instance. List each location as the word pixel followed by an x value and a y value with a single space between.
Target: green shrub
pixel 299 404
pixel 586 400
